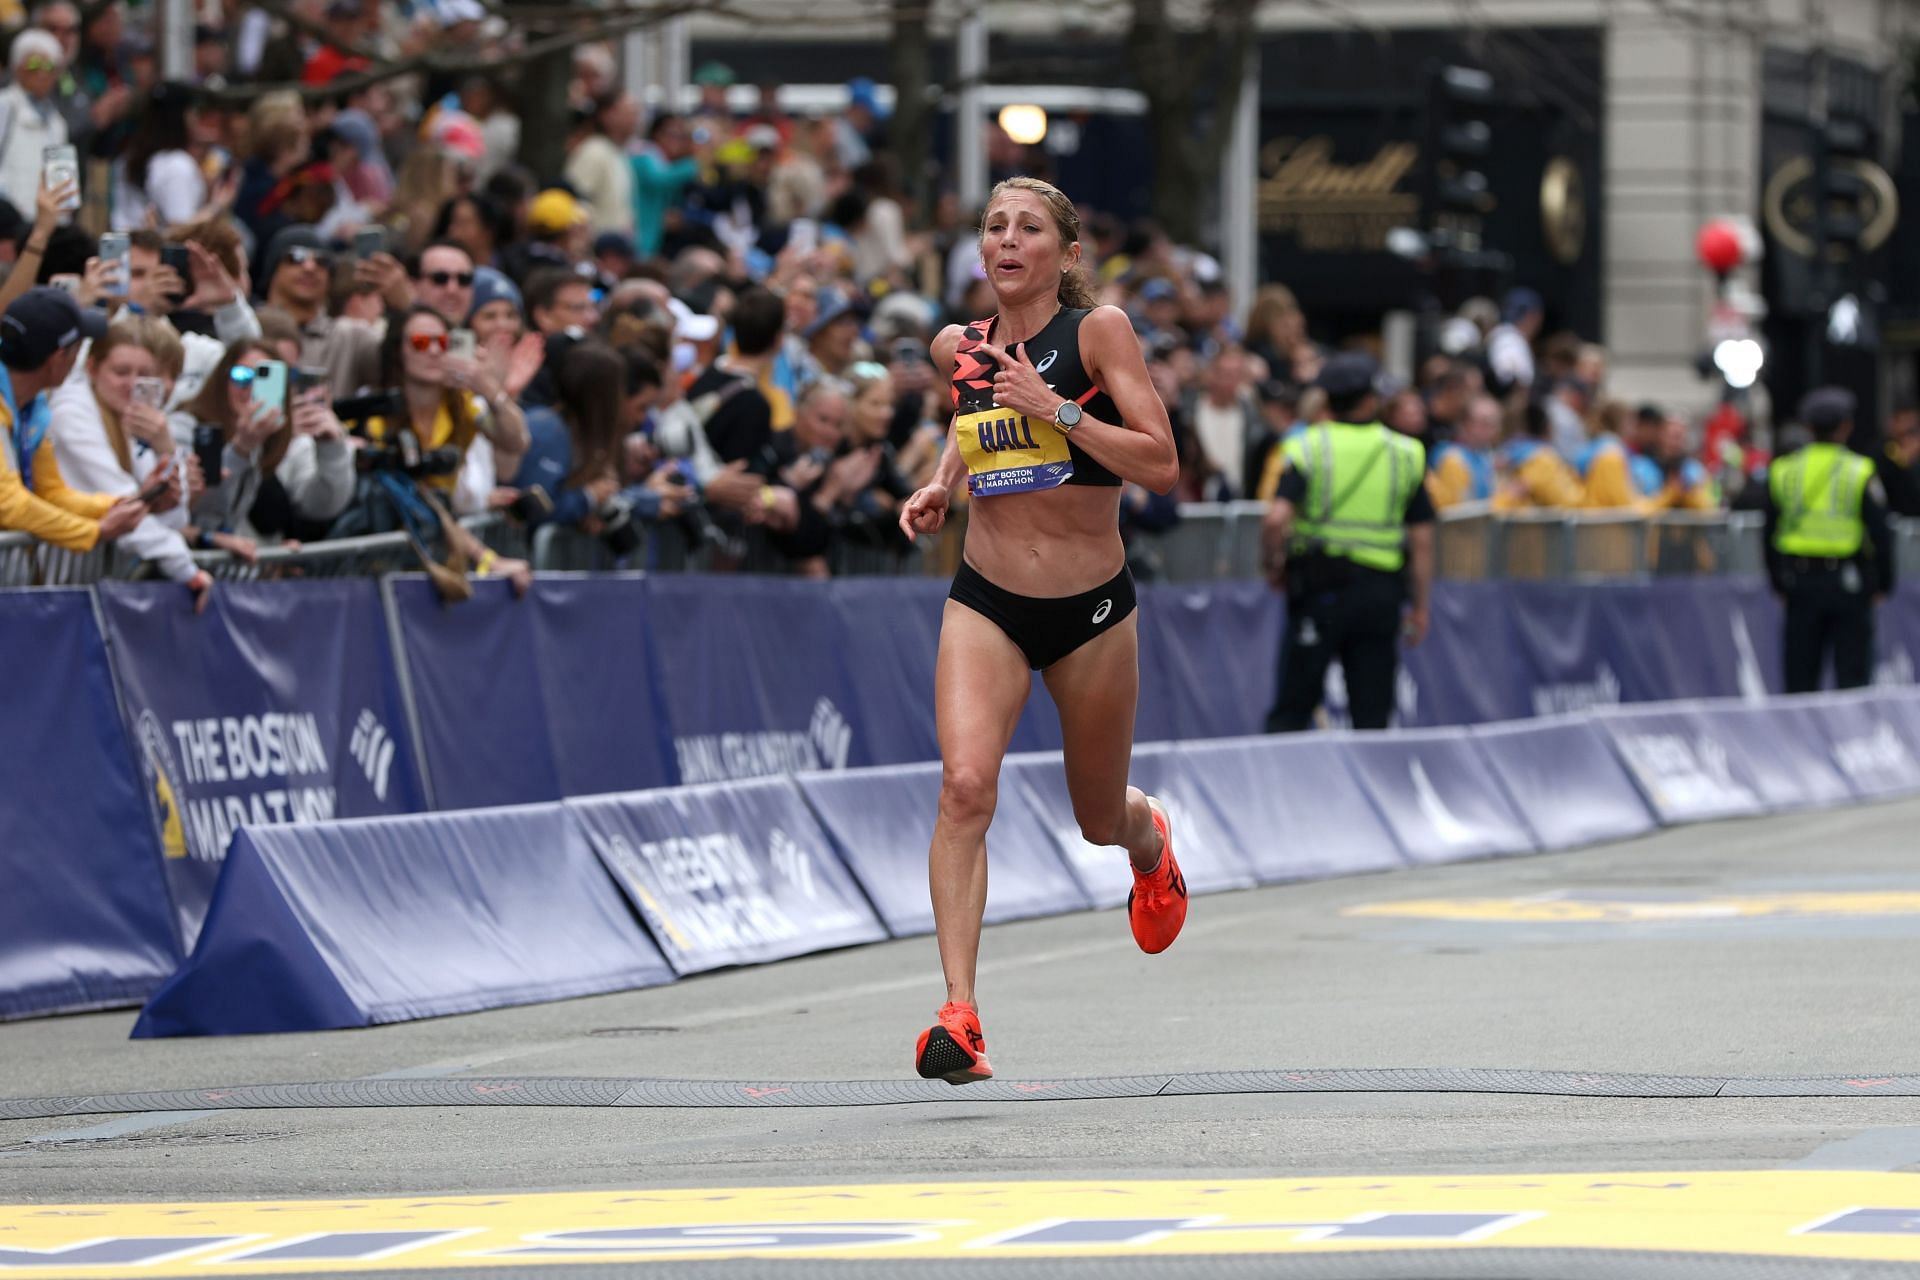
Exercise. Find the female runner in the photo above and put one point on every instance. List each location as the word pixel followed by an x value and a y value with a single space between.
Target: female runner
pixel 1053 411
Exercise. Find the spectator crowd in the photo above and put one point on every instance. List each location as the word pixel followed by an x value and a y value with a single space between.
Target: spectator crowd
pixel 318 303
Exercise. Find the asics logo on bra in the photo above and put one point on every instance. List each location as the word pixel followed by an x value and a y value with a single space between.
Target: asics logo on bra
pixel 1046 362
pixel 1100 614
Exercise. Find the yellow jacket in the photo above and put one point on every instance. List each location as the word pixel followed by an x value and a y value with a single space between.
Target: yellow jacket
pixel 1610 478
pixel 50 511
pixel 1542 477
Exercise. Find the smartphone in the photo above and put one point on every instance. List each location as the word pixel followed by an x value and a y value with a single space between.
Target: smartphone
pixel 59 166
pixel 209 445
pixel 304 381
pixel 159 482
pixel 270 383
pixel 803 235
pixel 368 241
pixel 114 247
pixel 150 391
pixel 460 343
pixel 177 257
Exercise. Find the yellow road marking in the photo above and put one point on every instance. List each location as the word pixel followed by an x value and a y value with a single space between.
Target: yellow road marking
pixel 1789 1213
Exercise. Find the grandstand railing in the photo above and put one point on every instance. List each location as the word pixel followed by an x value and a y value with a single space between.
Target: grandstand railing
pixel 1210 541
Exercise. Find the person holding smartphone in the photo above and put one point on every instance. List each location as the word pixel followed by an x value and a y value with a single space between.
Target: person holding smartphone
pixel 40 337
pixel 30 119
pixel 113 438
pixel 285 470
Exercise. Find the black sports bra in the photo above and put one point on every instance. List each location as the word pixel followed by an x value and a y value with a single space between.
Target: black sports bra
pixel 1055 352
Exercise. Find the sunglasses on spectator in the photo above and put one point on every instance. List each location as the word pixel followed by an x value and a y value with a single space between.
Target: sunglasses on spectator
pixel 36 62
pixel 242 375
pixel 301 255
pixel 445 278
pixel 428 341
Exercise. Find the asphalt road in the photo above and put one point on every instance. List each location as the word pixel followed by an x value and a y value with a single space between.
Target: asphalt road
pixel 1689 973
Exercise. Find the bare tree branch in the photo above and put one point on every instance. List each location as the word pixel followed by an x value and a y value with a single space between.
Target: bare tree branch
pixel 456 62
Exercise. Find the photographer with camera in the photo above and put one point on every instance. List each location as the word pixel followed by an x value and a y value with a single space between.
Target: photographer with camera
pixel 428 428
pixel 571 473
pixel 274 472
pixel 110 435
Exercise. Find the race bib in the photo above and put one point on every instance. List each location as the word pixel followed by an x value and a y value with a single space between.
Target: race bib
pixel 1007 453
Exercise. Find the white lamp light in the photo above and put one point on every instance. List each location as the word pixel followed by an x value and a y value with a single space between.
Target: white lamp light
pixel 1025 123
pixel 1739 361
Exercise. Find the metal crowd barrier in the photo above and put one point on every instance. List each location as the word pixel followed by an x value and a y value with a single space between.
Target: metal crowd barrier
pixel 1211 541
pixel 1474 543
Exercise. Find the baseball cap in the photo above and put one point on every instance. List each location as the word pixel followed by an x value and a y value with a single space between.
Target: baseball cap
pixel 832 306
pixel 718 74
pixel 555 210
pixel 1158 290
pixel 1825 408
pixel 689 325
pixel 1350 373
pixel 613 242
pixel 762 137
pixel 491 286
pixel 43 322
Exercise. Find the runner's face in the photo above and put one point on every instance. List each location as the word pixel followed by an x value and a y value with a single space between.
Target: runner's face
pixel 1020 246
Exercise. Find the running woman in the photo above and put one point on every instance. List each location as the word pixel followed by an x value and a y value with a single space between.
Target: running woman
pixel 1053 410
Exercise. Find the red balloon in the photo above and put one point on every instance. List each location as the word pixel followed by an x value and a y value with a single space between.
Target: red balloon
pixel 1718 247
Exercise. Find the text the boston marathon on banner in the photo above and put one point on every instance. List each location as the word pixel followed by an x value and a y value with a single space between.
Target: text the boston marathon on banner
pixel 277 705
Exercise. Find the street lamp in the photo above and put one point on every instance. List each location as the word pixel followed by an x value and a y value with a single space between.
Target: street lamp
pixel 1025 123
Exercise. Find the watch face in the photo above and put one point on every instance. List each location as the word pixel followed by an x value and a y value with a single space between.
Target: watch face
pixel 1069 414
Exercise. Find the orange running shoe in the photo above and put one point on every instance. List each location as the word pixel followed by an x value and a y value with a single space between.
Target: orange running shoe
pixel 953 1049
pixel 1157 903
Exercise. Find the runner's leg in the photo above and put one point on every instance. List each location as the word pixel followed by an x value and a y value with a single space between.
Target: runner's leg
pixel 981 683
pixel 1096 688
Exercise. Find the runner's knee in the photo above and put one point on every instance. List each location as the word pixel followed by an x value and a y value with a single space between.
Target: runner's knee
pixel 968 794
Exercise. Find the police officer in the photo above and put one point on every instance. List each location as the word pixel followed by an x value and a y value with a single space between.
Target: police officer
pixel 1350 539
pixel 1829 551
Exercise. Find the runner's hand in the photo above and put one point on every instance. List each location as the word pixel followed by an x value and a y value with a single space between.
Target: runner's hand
pixel 924 512
pixel 1018 385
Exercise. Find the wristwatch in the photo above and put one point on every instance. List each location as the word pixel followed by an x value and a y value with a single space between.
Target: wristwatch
pixel 1067 416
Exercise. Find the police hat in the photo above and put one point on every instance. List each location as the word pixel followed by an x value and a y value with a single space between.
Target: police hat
pixel 1825 408
pixel 1349 374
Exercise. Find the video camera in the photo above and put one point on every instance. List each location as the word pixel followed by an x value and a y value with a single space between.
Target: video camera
pixel 402 452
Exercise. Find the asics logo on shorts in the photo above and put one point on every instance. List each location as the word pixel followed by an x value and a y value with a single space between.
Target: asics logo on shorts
pixel 1100 614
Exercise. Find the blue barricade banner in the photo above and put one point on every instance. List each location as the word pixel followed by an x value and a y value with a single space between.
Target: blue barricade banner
pixel 1682 765
pixel 84 921
pixel 1869 741
pixel 1897 636
pixel 737 873
pixel 881 823
pixel 1292 807
pixel 1565 780
pixel 1465 671
pixel 280 704
pixel 1783 749
pixel 889 635
pixel 753 677
pixel 1210 857
pixel 349 924
pixel 1208 659
pixel 523 700
pixel 1438 795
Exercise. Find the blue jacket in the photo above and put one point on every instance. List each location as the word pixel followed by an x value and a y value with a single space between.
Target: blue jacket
pixel 548 462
